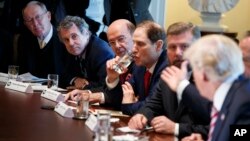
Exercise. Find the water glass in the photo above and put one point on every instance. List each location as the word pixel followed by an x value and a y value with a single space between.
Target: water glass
pixel 13 72
pixel 53 81
pixel 82 107
pixel 123 62
pixel 103 128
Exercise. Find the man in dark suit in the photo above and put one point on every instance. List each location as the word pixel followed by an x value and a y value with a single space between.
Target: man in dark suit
pixel 149 56
pixel 40 51
pixel 86 65
pixel 163 111
pixel 218 67
pixel 135 11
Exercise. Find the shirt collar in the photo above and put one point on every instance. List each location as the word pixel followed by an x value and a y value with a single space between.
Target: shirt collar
pixel 152 68
pixel 222 91
pixel 48 37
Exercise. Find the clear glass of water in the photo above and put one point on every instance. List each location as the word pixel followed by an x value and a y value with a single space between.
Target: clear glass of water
pixel 103 129
pixel 13 72
pixel 123 62
pixel 53 81
pixel 82 107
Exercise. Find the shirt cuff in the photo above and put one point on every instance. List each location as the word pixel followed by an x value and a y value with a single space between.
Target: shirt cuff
pixel 102 100
pixel 180 88
pixel 72 81
pixel 111 85
pixel 176 129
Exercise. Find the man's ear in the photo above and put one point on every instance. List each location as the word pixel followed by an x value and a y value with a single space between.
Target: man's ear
pixel 159 45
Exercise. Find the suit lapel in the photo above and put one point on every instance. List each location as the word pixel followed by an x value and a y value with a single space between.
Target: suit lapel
pixel 225 110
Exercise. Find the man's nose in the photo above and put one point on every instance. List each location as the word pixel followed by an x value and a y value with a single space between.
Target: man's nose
pixel 179 51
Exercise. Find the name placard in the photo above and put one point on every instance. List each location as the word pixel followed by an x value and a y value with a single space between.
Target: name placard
pixel 52 95
pixel 64 110
pixel 91 122
pixel 19 86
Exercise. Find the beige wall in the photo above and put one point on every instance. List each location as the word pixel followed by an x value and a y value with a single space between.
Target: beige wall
pixel 238 19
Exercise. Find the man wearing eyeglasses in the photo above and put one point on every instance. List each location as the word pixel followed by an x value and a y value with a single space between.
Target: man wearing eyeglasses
pixel 39 50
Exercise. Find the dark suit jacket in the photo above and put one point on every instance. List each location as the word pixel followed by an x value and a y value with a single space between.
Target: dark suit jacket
pixel 235 109
pixel 138 86
pixel 164 102
pixel 41 62
pixel 139 9
pixel 93 66
pixel 6 50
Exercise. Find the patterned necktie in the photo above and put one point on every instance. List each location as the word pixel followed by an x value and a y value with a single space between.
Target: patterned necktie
pixel 147 77
pixel 214 116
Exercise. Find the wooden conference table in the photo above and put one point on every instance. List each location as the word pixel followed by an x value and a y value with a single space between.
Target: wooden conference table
pixel 22 119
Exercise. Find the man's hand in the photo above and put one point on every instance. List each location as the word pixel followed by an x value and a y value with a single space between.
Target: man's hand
pixel 138 121
pixel 172 75
pixel 128 93
pixel 193 137
pixel 162 124
pixel 80 83
pixel 112 75
pixel 73 94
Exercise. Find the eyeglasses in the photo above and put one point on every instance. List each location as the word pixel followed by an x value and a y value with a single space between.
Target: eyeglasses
pixel 120 39
pixel 37 18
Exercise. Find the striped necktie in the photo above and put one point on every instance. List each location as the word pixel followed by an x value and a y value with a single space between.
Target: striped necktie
pixel 214 116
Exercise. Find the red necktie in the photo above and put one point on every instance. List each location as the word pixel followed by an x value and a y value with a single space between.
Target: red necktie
pixel 214 116
pixel 147 76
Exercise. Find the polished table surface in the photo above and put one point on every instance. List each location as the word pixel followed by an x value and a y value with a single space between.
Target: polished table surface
pixel 22 119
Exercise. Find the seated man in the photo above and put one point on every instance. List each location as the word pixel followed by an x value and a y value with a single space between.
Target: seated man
pixel 163 111
pixel 218 67
pixel 40 51
pixel 86 65
pixel 245 48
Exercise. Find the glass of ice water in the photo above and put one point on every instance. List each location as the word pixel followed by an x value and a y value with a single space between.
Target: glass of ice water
pixel 123 62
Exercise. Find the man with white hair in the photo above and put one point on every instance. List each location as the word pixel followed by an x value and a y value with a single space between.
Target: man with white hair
pixel 218 67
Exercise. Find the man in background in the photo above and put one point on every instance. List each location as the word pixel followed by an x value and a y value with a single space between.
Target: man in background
pixel 86 65
pixel 245 48
pixel 40 51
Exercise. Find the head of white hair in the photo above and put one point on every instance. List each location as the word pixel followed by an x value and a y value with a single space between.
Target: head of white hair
pixel 218 56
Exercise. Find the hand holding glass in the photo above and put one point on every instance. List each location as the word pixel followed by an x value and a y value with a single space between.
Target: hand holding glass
pixel 123 63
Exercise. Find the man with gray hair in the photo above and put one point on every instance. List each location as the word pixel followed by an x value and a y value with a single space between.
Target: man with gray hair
pixel 218 67
pixel 40 51
pixel 86 67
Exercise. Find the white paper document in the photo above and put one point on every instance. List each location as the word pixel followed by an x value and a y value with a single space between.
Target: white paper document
pixel 44 87
pixel 28 77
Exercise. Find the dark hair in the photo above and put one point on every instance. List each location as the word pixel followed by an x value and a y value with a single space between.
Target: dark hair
pixel 153 31
pixel 182 27
pixel 247 34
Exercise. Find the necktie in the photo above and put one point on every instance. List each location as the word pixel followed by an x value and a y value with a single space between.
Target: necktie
pixel 42 44
pixel 214 116
pixel 147 77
